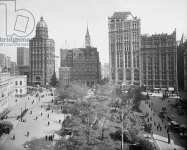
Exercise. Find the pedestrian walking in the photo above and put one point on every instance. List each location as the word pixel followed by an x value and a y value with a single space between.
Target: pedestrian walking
pixel 48 123
pixel 46 137
pixel 48 116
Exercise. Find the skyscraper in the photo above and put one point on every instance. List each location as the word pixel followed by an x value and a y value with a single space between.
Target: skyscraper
pixel 42 55
pixel 124 48
pixel 159 67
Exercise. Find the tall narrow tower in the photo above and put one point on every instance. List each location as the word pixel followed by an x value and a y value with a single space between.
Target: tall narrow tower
pixel 42 55
pixel 87 39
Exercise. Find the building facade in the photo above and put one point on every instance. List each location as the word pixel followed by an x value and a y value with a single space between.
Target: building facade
pixel 42 55
pixel 64 75
pixel 83 63
pixel 180 63
pixel 23 56
pixel 7 91
pixel 159 66
pixel 23 62
pixel 11 86
pixel 124 48
pixel 185 69
pixel 20 85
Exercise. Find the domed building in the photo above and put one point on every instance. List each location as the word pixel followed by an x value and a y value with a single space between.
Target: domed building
pixel 42 55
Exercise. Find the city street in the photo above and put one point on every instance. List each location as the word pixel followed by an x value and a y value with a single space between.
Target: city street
pixel 36 125
pixel 159 126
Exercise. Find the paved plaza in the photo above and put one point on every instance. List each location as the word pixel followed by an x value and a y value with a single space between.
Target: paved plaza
pixel 38 123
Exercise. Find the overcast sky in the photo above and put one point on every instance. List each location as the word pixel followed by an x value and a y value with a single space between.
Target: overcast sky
pixel 67 20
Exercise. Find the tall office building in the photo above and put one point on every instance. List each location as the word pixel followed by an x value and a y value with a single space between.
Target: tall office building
pixel 124 48
pixel 42 55
pixel 80 64
pixel 23 62
pixel 23 56
pixel 159 66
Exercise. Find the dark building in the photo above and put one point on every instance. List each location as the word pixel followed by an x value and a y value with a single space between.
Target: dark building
pixel 23 62
pixel 42 55
pixel 185 67
pixel 159 67
pixel 83 64
pixel 180 63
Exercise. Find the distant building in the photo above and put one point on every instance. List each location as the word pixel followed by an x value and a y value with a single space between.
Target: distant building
pixel 23 56
pixel 105 71
pixel 8 63
pixel 159 66
pixel 124 48
pixel 23 62
pixel 13 68
pixel 83 63
pixel 42 55
pixel 2 60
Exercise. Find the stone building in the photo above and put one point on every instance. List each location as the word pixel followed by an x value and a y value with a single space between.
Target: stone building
pixel 42 55
pixel 124 48
pixel 10 87
pixel 84 63
pixel 159 66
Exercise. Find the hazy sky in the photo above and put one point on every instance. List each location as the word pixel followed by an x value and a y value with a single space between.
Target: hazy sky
pixel 67 20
